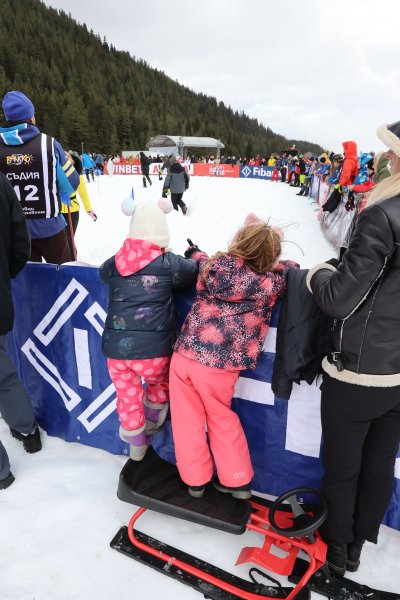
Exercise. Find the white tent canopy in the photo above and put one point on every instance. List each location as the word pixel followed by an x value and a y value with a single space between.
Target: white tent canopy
pixel 183 142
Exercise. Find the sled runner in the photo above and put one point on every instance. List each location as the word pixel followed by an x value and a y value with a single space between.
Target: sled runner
pixel 155 485
pixel 339 588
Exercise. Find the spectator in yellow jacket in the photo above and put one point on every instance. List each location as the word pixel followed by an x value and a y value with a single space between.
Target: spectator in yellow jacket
pixel 71 213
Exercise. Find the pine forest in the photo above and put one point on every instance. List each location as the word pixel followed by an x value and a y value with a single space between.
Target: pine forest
pixel 87 92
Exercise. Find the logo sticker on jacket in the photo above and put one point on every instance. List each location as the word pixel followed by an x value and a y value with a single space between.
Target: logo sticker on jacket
pixel 19 159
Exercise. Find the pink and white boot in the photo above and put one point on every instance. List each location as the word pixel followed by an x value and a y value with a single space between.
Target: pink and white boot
pixel 138 439
pixel 155 415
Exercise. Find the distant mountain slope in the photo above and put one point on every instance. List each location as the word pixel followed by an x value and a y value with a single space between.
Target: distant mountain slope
pixel 84 90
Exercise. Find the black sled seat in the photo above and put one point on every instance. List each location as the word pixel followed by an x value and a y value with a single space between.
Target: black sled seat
pixel 155 484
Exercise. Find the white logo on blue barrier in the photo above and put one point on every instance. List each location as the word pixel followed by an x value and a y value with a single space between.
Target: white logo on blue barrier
pixel 46 332
pixel 261 172
pixel 246 171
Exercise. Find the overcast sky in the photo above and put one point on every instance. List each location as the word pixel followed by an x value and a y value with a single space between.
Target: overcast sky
pixel 316 70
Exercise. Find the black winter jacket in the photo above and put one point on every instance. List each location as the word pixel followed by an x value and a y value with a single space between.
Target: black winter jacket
pixel 15 249
pixel 302 337
pixel 362 296
pixel 144 163
pixel 142 324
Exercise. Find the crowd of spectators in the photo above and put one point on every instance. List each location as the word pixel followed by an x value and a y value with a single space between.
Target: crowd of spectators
pixel 337 182
pixel 134 159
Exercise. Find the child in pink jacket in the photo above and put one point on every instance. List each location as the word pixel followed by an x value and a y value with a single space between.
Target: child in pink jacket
pixel 223 334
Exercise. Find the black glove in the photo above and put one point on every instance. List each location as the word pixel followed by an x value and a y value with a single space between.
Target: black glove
pixel 350 202
pixel 335 262
pixel 164 194
pixel 191 250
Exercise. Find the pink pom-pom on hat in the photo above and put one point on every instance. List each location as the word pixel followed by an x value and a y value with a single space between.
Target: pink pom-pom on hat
pixel 165 204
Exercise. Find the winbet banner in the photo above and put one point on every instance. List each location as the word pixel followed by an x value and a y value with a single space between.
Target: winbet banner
pixel 56 345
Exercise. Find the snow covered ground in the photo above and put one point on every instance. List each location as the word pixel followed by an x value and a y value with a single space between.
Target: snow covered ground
pixel 58 518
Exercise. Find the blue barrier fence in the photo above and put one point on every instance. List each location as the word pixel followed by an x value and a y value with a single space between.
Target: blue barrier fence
pixel 56 345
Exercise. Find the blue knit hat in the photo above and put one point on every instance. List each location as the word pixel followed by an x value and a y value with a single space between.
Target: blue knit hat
pixel 17 107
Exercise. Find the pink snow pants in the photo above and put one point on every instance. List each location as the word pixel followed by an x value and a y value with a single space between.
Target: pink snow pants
pixel 200 396
pixel 127 375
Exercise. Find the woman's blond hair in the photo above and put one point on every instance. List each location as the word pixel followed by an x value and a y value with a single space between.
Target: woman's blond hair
pixel 387 188
pixel 259 245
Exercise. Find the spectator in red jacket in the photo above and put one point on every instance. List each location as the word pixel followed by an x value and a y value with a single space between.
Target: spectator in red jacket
pixel 350 164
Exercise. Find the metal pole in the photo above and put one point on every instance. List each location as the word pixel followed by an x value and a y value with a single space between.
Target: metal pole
pixel 82 147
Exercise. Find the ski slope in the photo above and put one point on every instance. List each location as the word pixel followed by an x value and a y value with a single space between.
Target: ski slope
pixel 58 518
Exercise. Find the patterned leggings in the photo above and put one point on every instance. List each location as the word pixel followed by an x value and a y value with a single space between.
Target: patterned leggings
pixel 127 376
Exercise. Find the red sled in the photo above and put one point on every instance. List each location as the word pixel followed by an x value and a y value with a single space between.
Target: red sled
pixel 154 484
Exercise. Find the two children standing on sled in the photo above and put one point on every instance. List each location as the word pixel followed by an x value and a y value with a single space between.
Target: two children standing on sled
pixel 222 334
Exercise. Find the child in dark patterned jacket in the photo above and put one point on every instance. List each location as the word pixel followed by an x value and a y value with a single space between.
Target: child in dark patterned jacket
pixel 140 328
pixel 223 334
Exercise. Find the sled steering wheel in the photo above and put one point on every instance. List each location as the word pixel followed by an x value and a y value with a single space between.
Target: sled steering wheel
pixel 305 520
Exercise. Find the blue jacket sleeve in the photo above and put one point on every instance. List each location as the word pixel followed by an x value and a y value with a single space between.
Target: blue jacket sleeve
pixel 66 175
pixel 184 271
pixel 104 269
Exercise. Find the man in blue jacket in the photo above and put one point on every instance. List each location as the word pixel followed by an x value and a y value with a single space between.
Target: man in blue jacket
pixel 42 176
pixel 88 165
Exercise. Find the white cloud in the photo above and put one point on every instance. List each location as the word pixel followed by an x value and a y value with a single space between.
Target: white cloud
pixel 324 71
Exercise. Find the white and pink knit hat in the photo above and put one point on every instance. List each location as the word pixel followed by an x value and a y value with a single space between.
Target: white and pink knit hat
pixel 148 220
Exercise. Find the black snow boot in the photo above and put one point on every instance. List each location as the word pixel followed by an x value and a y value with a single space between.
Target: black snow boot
pixel 7 481
pixel 354 550
pixel 336 558
pixel 30 441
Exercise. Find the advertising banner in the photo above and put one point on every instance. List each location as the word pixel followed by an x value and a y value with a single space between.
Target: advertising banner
pixel 56 345
pixel 126 169
pixel 256 172
pixel 213 170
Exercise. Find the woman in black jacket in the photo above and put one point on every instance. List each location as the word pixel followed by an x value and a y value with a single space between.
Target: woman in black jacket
pixel 360 401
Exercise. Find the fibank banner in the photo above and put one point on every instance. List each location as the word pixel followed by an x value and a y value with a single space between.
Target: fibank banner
pixel 56 345
pixel 256 172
